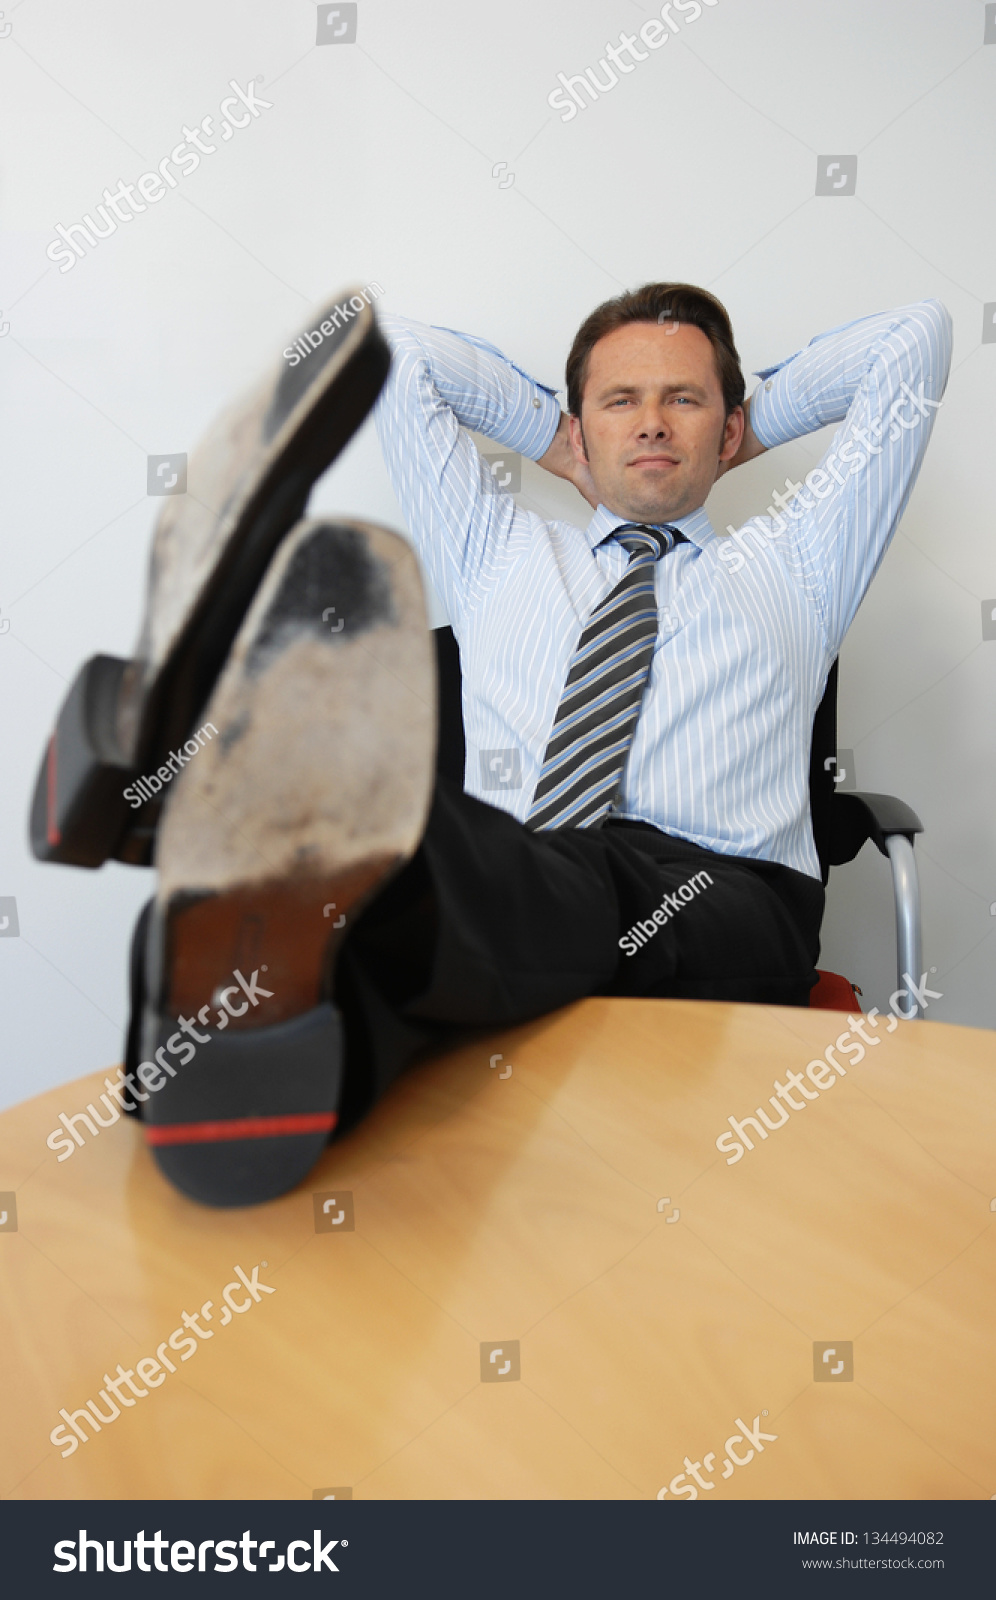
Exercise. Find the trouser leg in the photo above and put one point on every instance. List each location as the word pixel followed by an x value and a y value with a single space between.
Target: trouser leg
pixel 490 925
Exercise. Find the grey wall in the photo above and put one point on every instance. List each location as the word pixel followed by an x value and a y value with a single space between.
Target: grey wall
pixel 374 160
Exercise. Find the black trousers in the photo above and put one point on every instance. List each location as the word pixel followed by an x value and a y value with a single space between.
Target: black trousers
pixel 491 924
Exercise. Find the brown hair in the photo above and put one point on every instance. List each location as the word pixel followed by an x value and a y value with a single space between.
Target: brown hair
pixel 659 302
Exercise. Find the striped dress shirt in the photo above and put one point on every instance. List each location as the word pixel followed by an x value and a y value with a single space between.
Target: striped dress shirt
pixel 749 625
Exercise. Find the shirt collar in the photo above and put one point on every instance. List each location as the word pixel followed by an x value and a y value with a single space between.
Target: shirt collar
pixel 695 526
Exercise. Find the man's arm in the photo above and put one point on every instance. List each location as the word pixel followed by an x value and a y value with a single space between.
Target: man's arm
pixel 441 384
pixel 883 378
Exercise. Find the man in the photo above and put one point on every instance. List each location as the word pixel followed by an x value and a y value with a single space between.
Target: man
pixel 638 701
pixel 712 776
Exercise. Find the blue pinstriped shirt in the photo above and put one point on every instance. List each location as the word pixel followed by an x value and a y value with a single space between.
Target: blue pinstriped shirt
pixel 749 625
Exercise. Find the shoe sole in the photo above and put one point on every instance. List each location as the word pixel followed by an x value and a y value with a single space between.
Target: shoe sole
pixel 312 791
pixel 248 482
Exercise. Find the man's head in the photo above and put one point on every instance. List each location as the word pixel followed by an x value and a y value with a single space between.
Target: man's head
pixel 655 393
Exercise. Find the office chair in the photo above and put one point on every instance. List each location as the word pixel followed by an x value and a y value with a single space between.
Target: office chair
pixel 841 822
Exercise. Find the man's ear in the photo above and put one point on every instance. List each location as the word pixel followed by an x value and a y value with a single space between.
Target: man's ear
pixel 577 439
pixel 733 433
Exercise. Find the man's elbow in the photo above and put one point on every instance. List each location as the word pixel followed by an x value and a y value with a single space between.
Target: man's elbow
pixel 932 327
pixel 941 322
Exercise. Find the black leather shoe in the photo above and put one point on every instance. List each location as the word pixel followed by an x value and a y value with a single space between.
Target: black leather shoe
pixel 247 484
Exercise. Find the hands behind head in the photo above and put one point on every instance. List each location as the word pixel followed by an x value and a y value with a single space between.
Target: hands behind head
pixel 562 462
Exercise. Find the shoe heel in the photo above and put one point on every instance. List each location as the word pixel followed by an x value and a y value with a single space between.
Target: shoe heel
pixel 230 1125
pixel 79 812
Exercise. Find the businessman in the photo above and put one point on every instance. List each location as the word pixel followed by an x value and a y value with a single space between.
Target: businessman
pixel 633 813
pixel 639 693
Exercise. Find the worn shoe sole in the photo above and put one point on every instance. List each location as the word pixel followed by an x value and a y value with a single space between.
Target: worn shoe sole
pixel 310 792
pixel 247 484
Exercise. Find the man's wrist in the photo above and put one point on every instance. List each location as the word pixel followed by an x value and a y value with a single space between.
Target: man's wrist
pixel 750 444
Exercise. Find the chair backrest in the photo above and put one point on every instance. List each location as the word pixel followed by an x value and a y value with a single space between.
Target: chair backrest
pixel 822 768
pixel 451 748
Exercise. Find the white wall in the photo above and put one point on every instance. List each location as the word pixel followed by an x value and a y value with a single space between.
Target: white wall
pixel 375 160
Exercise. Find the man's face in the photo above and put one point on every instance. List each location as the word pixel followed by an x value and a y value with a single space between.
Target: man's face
pixel 654 421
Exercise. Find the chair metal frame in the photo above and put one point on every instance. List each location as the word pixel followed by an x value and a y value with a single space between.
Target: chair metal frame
pixel 842 821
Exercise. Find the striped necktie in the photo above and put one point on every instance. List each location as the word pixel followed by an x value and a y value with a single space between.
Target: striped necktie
pixel 600 704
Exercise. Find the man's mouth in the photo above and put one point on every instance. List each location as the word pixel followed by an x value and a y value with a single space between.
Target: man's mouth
pixel 654 462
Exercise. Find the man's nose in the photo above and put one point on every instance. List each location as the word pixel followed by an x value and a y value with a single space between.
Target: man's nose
pixel 653 423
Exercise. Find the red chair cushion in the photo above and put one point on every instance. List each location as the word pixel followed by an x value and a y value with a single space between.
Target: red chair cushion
pixel 833 993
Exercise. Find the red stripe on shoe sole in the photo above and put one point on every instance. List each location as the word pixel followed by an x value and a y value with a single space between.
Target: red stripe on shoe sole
pixel 242 1128
pixel 52 827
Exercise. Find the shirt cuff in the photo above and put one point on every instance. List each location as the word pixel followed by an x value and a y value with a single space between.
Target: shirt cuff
pixel 774 415
pixel 533 411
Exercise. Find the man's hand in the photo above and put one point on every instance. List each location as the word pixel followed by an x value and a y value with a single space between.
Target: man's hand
pixel 562 462
pixel 750 446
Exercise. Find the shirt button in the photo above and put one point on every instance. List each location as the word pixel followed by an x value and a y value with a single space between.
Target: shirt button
pixel 768 384
pixel 536 401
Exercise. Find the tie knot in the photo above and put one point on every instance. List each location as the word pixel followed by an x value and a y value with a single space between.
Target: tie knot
pixel 638 539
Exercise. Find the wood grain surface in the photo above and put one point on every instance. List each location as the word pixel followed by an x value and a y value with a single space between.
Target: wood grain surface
pixel 652 1298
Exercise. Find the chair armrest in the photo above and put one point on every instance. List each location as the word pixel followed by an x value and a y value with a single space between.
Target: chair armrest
pixel 861 815
pixel 893 826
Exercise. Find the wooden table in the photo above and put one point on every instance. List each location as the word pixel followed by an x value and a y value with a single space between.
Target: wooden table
pixel 574 1213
